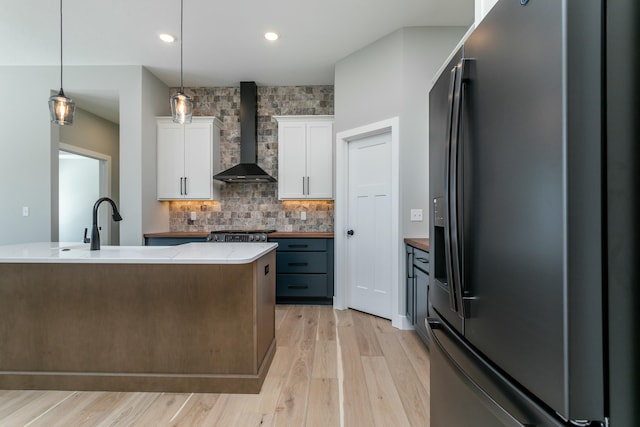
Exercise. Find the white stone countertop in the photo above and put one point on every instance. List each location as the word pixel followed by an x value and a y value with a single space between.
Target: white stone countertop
pixel 190 253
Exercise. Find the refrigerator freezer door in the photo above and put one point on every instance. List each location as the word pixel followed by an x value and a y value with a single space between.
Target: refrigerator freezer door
pixel 468 392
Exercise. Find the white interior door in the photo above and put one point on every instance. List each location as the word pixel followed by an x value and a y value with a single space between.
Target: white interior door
pixel 370 248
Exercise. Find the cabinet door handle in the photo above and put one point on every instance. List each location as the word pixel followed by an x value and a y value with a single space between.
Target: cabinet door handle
pixel 298 246
pixel 422 260
pixel 298 286
pixel 308 188
pixel 185 186
pixel 303 190
pixel 181 193
pixel 298 264
pixel 409 265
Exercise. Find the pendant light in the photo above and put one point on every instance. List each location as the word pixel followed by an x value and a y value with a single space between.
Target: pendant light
pixel 181 104
pixel 61 108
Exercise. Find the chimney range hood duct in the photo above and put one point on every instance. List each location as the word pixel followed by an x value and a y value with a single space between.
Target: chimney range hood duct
pixel 248 169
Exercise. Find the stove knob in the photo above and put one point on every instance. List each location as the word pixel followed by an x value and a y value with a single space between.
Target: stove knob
pixel 250 237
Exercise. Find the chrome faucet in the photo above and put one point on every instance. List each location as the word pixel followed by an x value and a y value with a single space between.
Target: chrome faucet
pixel 95 233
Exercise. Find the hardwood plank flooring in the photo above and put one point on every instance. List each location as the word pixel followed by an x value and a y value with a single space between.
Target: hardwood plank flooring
pixel 331 368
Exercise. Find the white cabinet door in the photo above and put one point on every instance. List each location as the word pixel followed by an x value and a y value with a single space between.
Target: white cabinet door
pixel 188 157
pixel 320 160
pixel 198 161
pixel 291 160
pixel 170 146
pixel 305 157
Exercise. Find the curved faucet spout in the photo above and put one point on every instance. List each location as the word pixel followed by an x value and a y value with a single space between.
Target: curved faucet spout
pixel 95 233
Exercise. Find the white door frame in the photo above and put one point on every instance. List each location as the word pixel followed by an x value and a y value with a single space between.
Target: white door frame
pixel 342 295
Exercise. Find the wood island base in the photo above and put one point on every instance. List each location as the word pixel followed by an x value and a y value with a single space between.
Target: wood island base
pixel 204 328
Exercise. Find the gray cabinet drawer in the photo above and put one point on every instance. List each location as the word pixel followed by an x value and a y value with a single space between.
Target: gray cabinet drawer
pixel 300 245
pixel 301 262
pixel 421 259
pixel 304 270
pixel 301 285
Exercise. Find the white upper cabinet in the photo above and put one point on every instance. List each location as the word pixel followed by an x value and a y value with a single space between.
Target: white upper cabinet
pixel 305 157
pixel 188 157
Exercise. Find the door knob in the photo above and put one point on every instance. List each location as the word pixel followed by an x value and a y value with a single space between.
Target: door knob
pixel 350 232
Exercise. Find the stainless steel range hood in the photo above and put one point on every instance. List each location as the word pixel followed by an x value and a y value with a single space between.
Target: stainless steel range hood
pixel 248 169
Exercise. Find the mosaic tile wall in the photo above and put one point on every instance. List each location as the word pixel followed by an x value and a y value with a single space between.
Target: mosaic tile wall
pixel 254 206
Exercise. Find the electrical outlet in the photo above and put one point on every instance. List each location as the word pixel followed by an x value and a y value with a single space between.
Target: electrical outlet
pixel 416 214
pixel 25 211
pixel 303 215
pixel 193 216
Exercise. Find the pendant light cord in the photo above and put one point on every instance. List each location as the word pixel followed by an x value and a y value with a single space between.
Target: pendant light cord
pixel 181 18
pixel 61 45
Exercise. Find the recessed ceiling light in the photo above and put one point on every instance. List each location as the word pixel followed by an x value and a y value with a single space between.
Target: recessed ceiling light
pixel 167 38
pixel 271 36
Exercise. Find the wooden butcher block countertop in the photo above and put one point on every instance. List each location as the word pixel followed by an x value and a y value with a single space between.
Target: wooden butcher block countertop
pixel 301 234
pixel 179 234
pixel 420 243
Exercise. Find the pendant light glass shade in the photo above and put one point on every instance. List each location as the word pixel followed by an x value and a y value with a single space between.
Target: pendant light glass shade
pixel 61 108
pixel 181 104
pixel 181 108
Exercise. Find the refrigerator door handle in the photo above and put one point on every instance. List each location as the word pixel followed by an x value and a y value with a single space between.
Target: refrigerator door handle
pixel 454 206
pixel 447 193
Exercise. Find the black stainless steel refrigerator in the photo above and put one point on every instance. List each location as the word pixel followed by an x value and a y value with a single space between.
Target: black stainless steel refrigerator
pixel 534 148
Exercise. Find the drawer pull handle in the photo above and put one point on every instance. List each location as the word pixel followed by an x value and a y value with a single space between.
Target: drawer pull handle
pixel 298 246
pixel 298 286
pixel 298 264
pixel 422 259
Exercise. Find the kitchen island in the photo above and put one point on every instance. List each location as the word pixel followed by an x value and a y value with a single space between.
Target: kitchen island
pixel 198 317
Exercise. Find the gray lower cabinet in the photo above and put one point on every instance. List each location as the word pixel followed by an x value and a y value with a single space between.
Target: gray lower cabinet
pixel 304 270
pixel 418 290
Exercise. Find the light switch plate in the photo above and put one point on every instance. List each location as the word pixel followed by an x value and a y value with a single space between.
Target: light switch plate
pixel 416 214
pixel 193 216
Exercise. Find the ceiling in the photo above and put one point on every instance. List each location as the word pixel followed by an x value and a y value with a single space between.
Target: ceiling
pixel 223 42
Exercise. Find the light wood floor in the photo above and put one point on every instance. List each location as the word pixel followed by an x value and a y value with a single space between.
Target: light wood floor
pixel 331 368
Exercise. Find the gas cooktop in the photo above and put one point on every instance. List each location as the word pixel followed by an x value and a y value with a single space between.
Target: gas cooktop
pixel 239 235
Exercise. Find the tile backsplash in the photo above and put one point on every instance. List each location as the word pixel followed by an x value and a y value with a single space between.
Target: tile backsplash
pixel 255 206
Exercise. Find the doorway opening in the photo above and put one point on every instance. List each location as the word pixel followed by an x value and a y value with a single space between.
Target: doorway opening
pixel 83 177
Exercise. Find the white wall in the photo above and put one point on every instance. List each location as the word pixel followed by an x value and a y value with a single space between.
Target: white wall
pixel 25 162
pixel 391 78
pixel 28 165
pixel 155 215
pixel 98 135
pixel 368 84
